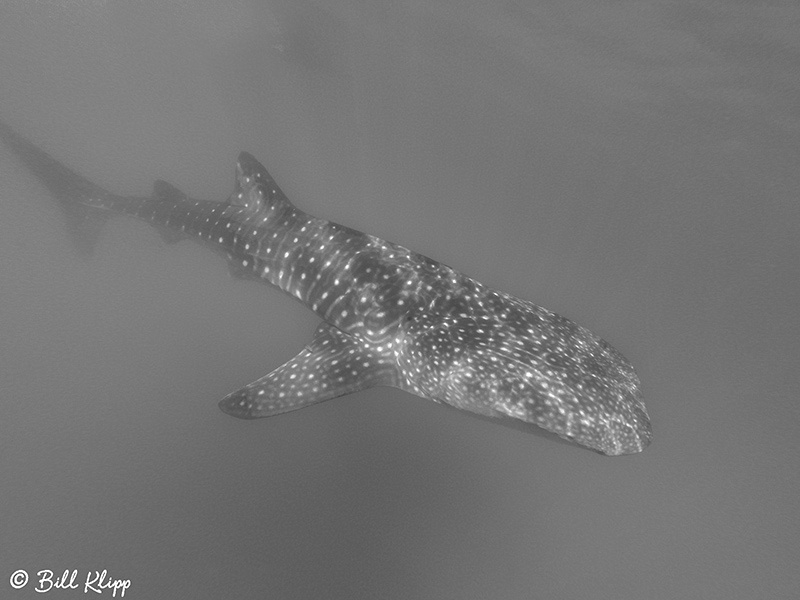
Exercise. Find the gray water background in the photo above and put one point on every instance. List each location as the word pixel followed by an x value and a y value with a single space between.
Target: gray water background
pixel 631 165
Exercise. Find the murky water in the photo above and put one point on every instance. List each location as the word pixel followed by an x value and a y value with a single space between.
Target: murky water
pixel 631 166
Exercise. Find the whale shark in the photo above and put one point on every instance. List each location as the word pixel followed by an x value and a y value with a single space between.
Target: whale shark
pixel 390 316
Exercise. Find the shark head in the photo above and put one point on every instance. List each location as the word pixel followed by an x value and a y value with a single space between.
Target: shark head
pixel 521 361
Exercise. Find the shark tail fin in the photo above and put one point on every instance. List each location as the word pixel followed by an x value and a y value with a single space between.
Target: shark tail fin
pixel 80 199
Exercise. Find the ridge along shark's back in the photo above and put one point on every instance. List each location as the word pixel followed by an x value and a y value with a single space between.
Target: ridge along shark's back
pixel 390 316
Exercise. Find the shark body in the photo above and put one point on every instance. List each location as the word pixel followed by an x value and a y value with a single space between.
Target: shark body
pixel 391 317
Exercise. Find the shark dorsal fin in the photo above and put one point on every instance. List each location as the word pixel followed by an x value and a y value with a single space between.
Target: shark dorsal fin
pixel 166 191
pixel 255 188
pixel 163 191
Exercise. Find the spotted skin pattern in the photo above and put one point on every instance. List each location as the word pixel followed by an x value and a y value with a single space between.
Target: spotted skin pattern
pixel 391 317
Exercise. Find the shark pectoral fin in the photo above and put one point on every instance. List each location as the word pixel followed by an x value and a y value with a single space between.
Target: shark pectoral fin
pixel 332 365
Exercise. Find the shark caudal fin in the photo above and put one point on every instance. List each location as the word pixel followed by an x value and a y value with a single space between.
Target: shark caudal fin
pixel 74 192
pixel 333 364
